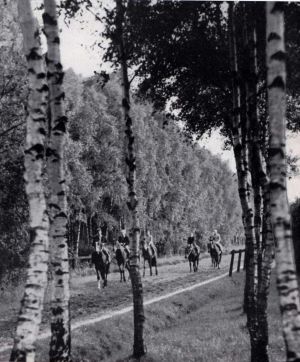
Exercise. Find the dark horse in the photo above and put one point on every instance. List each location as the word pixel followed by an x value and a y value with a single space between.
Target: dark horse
pixel 192 253
pixel 101 260
pixel 216 255
pixel 209 249
pixel 149 255
pixel 122 257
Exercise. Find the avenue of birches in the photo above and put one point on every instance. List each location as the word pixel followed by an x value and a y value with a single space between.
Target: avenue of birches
pixel 122 148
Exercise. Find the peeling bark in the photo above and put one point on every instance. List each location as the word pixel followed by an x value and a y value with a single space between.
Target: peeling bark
pixel 280 214
pixel 36 280
pixel 136 281
pixel 57 203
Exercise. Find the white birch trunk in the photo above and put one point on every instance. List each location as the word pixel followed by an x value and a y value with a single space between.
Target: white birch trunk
pixel 135 276
pixel 60 322
pixel 36 280
pixel 285 265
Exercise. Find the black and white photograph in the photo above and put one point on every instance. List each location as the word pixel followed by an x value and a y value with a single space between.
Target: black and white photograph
pixel 149 181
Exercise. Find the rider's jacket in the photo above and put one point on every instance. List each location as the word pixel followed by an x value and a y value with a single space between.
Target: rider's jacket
pixel 123 240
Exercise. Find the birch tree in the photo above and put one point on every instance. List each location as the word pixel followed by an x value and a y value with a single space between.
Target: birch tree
pixel 263 230
pixel 36 280
pixel 57 203
pixel 285 265
pixel 135 276
pixel 241 147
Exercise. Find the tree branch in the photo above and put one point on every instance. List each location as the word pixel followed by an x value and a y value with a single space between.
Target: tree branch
pixel 11 128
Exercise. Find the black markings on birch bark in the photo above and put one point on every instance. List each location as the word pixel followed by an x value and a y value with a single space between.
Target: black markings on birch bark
pixel 136 281
pixel 36 280
pixel 60 322
pixel 280 215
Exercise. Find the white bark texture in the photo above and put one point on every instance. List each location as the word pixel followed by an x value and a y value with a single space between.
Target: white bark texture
pixel 36 280
pixel 135 276
pixel 280 214
pixel 57 203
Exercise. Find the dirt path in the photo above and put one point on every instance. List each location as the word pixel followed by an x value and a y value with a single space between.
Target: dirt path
pixel 87 302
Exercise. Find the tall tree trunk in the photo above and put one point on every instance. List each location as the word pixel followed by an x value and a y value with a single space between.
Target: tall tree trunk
pixel 137 287
pixel 76 251
pixel 241 158
pixel 36 280
pixel 88 231
pixel 264 281
pixel 250 280
pixel 60 323
pixel 285 264
pixel 259 343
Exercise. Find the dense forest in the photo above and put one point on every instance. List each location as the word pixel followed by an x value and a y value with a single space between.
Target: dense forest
pixel 181 187
pixel 82 158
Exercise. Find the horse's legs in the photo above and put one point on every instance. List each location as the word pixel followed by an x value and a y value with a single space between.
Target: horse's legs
pixel 156 267
pixel 190 266
pixel 98 279
pixel 144 267
pixel 150 266
pixel 128 268
pixel 120 270
pixel 104 277
pixel 220 259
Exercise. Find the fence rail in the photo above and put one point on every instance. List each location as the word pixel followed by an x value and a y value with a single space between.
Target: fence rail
pixel 73 260
pixel 239 252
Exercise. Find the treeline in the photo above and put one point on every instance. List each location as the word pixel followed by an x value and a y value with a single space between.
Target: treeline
pixel 181 187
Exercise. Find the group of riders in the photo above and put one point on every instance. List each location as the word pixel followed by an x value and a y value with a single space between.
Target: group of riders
pixel 214 242
pixel 101 257
pixel 215 249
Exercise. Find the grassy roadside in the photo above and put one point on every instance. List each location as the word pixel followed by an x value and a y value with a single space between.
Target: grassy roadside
pixel 203 325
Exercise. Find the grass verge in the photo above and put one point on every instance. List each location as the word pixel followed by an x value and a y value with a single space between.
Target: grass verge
pixel 205 324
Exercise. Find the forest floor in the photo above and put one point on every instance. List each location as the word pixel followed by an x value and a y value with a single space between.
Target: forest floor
pixel 205 324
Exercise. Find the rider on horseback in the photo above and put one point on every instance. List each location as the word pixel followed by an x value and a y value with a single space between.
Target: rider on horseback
pixel 97 260
pixel 192 244
pixel 150 243
pixel 216 240
pixel 124 241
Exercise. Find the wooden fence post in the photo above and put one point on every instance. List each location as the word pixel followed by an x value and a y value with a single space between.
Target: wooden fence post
pixel 231 262
pixel 239 260
pixel 244 259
